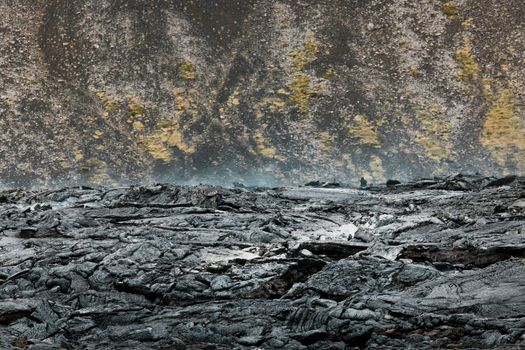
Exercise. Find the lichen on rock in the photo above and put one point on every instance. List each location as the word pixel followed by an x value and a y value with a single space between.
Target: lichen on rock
pixel 466 59
pixel 187 70
pixel 262 147
pixel 305 55
pixel 450 9
pixel 364 132
pixel 135 108
pixel 503 133
pixel 109 103
pixel 162 142
pixel 301 91
pixel 434 133
pixel 223 72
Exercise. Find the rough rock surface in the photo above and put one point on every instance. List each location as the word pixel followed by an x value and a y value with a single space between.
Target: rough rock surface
pixel 437 263
pixel 284 91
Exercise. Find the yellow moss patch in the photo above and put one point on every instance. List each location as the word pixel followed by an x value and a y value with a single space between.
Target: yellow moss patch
pixel 98 134
pixel 415 70
pixel 278 103
pixel 467 61
pixel 263 149
pixel 468 23
pixel 300 87
pixel 364 131
pixel 381 121
pixel 167 136
pixel 181 101
pixel 301 92
pixel 503 134
pixel 111 106
pixel 433 122
pixel 109 103
pixel 135 109
pixel 65 165
pixel 305 55
pixel 187 70
pixel 272 104
pixel 434 149
pixel 233 100
pixel 138 126
pixel 91 164
pixel 405 120
pixel 434 136
pixel 325 141
pixel 487 88
pixel 450 9
pixel 328 73
pixel 158 150
pixel 79 155
pixel 184 101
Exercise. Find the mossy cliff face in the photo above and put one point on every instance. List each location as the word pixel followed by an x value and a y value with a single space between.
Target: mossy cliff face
pixel 111 91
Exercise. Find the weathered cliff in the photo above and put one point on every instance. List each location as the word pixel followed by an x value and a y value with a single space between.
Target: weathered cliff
pixel 118 91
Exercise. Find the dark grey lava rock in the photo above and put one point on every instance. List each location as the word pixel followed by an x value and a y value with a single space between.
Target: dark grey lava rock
pixel 170 267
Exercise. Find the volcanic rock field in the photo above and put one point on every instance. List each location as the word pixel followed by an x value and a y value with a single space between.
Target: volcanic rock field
pixel 430 264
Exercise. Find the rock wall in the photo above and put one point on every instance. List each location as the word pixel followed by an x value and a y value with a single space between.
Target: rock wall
pixel 114 91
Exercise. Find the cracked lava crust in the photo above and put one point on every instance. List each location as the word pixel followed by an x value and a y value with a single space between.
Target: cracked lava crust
pixel 427 264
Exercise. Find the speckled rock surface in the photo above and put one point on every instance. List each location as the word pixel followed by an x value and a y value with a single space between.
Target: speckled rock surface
pixel 272 91
pixel 437 263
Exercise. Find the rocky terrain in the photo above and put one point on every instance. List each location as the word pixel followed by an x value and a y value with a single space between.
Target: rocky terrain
pixel 267 92
pixel 435 263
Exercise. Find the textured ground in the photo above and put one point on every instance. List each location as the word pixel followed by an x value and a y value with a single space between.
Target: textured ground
pixel 424 265
pixel 275 91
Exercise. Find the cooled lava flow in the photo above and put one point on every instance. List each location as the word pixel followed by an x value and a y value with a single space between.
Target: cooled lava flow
pixel 437 263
